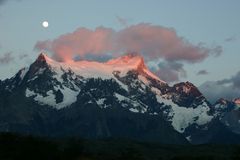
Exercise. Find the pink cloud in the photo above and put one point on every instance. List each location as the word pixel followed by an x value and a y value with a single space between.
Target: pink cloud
pixel 81 42
pixel 152 41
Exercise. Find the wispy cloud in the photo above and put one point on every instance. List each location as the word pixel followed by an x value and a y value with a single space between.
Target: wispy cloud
pixel 227 88
pixel 6 58
pixel 170 71
pixel 202 72
pixel 23 56
pixel 230 39
pixel 234 81
pixel 122 21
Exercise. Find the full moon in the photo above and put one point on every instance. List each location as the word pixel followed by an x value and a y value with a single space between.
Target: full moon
pixel 45 24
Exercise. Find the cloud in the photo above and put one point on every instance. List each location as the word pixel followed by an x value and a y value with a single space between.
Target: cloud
pixel 6 58
pixel 226 88
pixel 234 81
pixel 216 51
pixel 202 72
pixel 152 41
pixel 81 42
pixel 230 39
pixel 122 21
pixel 23 56
pixel 170 71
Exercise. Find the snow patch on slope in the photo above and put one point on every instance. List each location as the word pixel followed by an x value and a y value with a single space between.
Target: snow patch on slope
pixel 153 75
pixel 24 72
pixel 101 103
pixel 134 110
pixel 137 106
pixel 143 79
pixel 182 117
pixel 69 97
pixel 120 97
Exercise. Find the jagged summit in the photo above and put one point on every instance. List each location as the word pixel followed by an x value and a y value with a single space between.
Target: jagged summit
pixel 105 70
pixel 187 87
pixel 131 59
pixel 134 60
pixel 43 57
pixel 42 61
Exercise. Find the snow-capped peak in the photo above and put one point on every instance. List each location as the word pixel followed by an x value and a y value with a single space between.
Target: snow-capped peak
pixel 133 60
pixel 65 77
pixel 105 70
pixel 44 58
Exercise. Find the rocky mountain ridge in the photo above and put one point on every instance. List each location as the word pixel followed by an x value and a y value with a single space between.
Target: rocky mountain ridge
pixel 92 100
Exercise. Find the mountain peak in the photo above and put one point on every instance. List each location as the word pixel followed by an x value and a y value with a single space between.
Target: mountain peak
pixel 222 101
pixel 132 60
pixel 42 61
pixel 237 101
pixel 187 87
pixel 43 58
pixel 94 69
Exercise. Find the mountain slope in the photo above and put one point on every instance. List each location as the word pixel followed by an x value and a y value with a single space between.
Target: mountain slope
pixel 93 100
pixel 229 114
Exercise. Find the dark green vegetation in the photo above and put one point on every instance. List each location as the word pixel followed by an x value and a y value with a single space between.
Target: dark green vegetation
pixel 27 147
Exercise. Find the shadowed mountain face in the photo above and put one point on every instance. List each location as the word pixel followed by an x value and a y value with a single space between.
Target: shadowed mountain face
pixel 120 98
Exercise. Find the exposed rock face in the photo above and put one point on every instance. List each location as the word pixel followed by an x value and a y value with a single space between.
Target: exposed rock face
pixel 118 98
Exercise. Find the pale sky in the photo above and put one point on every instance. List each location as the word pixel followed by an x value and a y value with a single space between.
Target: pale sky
pixel 211 22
